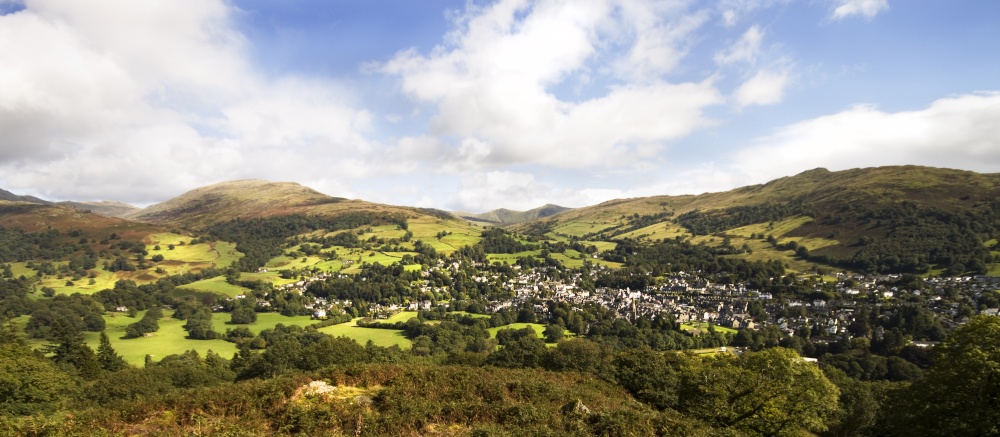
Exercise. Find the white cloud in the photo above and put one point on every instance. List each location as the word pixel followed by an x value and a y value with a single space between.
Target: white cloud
pixel 866 8
pixel 491 83
pixel 764 88
pixel 140 101
pixel 745 50
pixel 733 11
pixel 956 132
pixel 519 191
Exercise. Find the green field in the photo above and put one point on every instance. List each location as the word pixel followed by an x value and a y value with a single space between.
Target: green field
pixel 401 316
pixel 602 246
pixel 659 231
pixel 538 327
pixel 220 322
pixel 169 339
pixel 462 234
pixel 579 228
pixel 270 276
pixel 216 285
pixel 704 327
pixel 381 337
pixel 511 258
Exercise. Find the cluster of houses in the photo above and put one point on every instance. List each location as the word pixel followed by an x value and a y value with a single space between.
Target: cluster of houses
pixel 689 297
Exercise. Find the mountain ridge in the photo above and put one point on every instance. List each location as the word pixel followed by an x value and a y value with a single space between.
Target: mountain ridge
pixel 503 216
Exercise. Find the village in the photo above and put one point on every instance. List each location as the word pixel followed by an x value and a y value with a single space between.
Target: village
pixel 690 298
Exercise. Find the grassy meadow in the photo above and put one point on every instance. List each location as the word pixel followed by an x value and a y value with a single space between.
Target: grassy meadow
pixel 381 337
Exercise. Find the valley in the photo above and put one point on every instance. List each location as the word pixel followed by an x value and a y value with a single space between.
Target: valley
pixel 862 271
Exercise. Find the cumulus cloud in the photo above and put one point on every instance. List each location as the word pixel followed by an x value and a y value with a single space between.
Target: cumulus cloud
pixel 957 132
pixel 764 88
pixel 520 191
pixel 865 8
pixel 492 81
pixel 141 100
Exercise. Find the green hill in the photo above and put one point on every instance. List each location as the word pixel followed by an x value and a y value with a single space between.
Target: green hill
pixel 244 199
pixel 885 219
pixel 506 216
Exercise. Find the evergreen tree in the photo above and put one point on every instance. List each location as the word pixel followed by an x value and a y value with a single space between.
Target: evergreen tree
pixel 108 357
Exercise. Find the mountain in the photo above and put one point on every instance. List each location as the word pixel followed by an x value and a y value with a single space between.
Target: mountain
pixel 506 217
pixel 11 197
pixel 106 208
pixel 886 219
pixel 255 198
pixel 36 217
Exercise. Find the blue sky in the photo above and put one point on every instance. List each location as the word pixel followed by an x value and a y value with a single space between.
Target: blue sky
pixel 480 105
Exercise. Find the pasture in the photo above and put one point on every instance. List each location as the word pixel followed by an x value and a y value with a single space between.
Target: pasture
pixel 170 339
pixel 380 337
pixel 703 326
pixel 216 285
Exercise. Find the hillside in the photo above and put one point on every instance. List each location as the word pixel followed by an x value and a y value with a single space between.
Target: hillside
pixel 905 218
pixel 108 208
pixel 506 216
pixel 34 217
pixel 11 197
pixel 254 198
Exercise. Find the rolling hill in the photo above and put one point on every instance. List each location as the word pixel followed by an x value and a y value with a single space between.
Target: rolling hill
pixel 35 217
pixel 904 218
pixel 255 198
pixel 11 197
pixel 507 217
pixel 108 208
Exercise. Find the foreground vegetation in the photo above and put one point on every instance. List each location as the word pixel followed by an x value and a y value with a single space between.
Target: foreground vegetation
pixel 578 388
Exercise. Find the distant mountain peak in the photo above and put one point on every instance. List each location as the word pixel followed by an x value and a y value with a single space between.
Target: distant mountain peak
pixel 11 197
pixel 504 216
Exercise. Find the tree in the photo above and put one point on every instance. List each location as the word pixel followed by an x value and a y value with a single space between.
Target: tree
pixel 243 316
pixel 524 351
pixel 767 393
pixel 553 333
pixel 108 357
pixel 29 383
pixel 960 393
pixel 578 355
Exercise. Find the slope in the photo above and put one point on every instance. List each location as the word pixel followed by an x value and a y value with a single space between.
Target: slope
pixel 506 216
pixel 106 208
pixel 888 219
pixel 258 199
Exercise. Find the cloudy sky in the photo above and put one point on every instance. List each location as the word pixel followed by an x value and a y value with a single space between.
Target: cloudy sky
pixel 475 105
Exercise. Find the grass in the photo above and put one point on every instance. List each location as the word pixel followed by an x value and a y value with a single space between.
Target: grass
pixel 511 258
pixel 220 322
pixel 427 228
pixel 381 337
pixel 401 316
pixel 287 263
pixel 704 327
pixel 538 327
pixel 188 253
pixel 216 285
pixel 169 339
pixel 660 231
pixel 227 254
pixel 270 276
pixel 360 257
pixel 579 228
pixel 602 246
